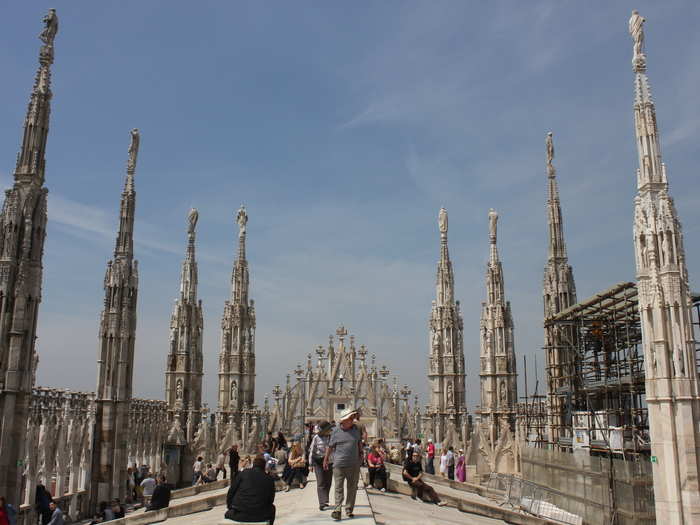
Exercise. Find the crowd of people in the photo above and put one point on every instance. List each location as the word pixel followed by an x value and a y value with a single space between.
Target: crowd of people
pixel 334 451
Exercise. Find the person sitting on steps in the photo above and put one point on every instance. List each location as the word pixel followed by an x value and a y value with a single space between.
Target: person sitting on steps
pixel 413 474
pixel 251 495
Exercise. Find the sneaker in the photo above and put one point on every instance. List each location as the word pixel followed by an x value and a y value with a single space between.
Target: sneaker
pixel 323 507
pixel 441 503
pixel 335 515
pixel 382 489
pixel 350 514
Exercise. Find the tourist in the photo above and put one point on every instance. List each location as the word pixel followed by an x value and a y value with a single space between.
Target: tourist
pixel 130 485
pixel 43 501
pixel 395 455
pixel 281 458
pixel 221 465
pixel 413 475
pixel 106 512
pixel 251 495
pixel 148 485
pixel 417 447
pixel 161 495
pixel 377 470
pixel 443 463
pixel 117 509
pixel 297 467
pixel 8 514
pixel 460 469
pixel 430 458
pixel 208 475
pixel 233 461
pixel 317 451
pixel 281 441
pixel 197 469
pixel 346 446
pixel 450 463
pixel 56 514
pixel 408 450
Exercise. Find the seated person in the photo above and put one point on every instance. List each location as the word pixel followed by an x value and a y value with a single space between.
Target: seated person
pixel 297 467
pixel 161 495
pixel 251 495
pixel 413 474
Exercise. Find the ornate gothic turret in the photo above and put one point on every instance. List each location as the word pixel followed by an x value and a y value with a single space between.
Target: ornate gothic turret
pixel 183 372
pixel 672 388
pixel 558 294
pixel 22 234
pixel 499 388
pixel 446 358
pixel 237 356
pixel 116 357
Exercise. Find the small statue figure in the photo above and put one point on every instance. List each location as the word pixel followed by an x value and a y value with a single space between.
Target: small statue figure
pixel 234 393
pixel 502 394
pixel 442 220
pixel 493 220
pixel 242 220
pixel 550 148
pixel 192 219
pixel 178 389
pixel 450 396
pixel 636 29
pixel 133 149
pixel 50 29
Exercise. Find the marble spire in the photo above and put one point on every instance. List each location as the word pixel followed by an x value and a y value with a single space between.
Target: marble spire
pixel 672 386
pixel 558 294
pixel 117 334
pixel 237 355
pixel 183 375
pixel 22 234
pixel 498 376
pixel 559 289
pixel 446 355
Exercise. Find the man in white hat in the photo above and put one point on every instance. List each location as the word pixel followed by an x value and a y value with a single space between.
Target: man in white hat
pixel 346 446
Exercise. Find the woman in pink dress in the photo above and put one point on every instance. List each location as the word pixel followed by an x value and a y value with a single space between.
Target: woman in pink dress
pixel 460 470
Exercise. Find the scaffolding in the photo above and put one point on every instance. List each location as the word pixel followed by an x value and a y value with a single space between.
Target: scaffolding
pixel 595 371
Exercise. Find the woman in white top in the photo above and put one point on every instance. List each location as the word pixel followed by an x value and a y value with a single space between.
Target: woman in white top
pixel 443 463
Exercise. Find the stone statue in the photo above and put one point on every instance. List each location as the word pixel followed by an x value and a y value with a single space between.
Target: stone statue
pixel 178 389
pixel 550 148
pixel 450 396
pixel 242 220
pixel 50 29
pixel 636 29
pixel 442 220
pixel 493 220
pixel 192 219
pixel 133 149
pixel 234 392
pixel 502 393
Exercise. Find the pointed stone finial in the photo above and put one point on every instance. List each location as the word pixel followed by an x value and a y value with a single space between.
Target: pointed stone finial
pixel 636 30
pixel 493 223
pixel 48 34
pixel 442 222
pixel 242 220
pixel 192 218
pixel 133 150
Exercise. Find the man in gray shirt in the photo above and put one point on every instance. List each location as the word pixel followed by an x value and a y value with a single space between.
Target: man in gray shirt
pixel 346 447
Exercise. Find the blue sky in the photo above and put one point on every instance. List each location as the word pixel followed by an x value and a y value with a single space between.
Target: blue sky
pixel 343 128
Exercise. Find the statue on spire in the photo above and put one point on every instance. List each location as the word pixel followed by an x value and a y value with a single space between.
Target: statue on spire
pixel 442 221
pixel 242 220
pixel 192 218
pixel 550 148
pixel 50 28
pixel 133 149
pixel 493 220
pixel 636 29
